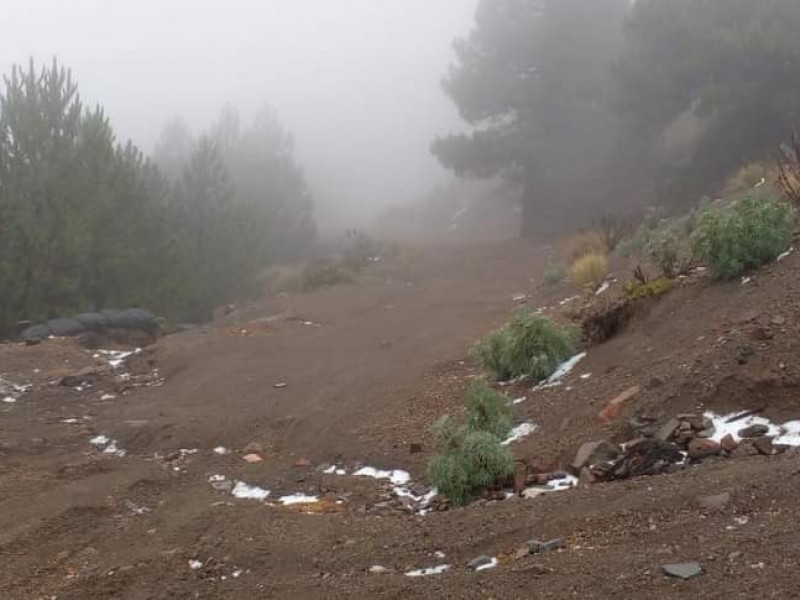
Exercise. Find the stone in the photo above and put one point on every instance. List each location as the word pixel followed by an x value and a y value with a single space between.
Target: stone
pixel 683 570
pixel 253 458
pixel 700 448
pixel 586 477
pixel 534 492
pixel 767 446
pixel 614 406
pixel 668 430
pixel 717 501
pixel 539 547
pixel 302 463
pixel 592 453
pixel 479 561
pixel 745 448
pixel 753 431
pixel 778 320
pixel 700 422
pixel 707 433
pixel 728 443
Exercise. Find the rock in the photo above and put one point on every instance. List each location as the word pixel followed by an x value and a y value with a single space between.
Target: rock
pixel 767 446
pixel 479 561
pixel 302 463
pixel 745 448
pixel 254 447
pixel 222 486
pixel 593 453
pixel 521 552
pixel 539 547
pixel 253 458
pixel 700 448
pixel 699 422
pixel 614 406
pixel 520 477
pixel 36 333
pixel 707 433
pixel 666 432
pixel 586 477
pixel 541 465
pixel 534 492
pixel 379 570
pixel 753 431
pixel 717 501
pixel 778 320
pixel 728 443
pixel 65 327
pixel 683 570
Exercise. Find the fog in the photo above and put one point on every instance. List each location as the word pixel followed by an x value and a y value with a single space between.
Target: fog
pixel 356 81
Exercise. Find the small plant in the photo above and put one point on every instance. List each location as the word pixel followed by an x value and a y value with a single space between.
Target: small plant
pixel 638 290
pixel 589 242
pixel 528 345
pixel 613 229
pixel 325 273
pixel 487 410
pixel 590 270
pixel 554 274
pixel 749 177
pixel 745 235
pixel 670 254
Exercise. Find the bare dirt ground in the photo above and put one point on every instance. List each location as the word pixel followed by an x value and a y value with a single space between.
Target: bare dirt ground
pixel 355 375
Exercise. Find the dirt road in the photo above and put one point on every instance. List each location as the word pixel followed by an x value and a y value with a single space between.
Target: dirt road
pixel 354 376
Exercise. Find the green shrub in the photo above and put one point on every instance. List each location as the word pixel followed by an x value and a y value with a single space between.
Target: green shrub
pixel 470 460
pixel 745 235
pixel 636 290
pixel 487 410
pixel 554 274
pixel 670 253
pixel 325 273
pixel 529 344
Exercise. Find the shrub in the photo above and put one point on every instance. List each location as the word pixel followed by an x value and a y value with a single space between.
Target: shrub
pixel 529 344
pixel 590 270
pixel 487 410
pixel 612 229
pixel 554 274
pixel 669 253
pixel 745 235
pixel 589 242
pixel 325 273
pixel 748 178
pixel 637 290
pixel 469 461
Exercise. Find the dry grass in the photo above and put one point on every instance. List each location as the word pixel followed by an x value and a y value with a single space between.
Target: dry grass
pixel 589 242
pixel 590 269
pixel 749 177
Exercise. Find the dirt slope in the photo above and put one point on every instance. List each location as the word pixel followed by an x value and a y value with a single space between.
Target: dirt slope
pixel 367 368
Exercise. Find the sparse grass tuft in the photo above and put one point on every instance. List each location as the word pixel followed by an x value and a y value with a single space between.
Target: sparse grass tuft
pixel 590 270
pixel 325 273
pixel 589 242
pixel 744 235
pixel 529 344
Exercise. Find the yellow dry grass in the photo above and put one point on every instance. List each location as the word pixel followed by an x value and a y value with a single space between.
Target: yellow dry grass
pixel 590 269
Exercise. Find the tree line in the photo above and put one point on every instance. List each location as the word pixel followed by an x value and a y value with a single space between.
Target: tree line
pixel 88 222
pixel 584 104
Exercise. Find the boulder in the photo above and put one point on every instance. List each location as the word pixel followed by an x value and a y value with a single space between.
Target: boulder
pixel 36 333
pixel 668 430
pixel 728 443
pixel 754 431
pixel 65 327
pixel 614 406
pixel 592 453
pixel 699 448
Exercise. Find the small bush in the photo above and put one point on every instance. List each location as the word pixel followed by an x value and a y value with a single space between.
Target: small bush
pixel 743 236
pixel 487 410
pixel 590 270
pixel 554 274
pixel 325 273
pixel 590 242
pixel 748 178
pixel 669 253
pixel 469 461
pixel 638 290
pixel 529 344
pixel 613 229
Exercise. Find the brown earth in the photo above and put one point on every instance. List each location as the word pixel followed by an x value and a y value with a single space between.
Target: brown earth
pixel 367 368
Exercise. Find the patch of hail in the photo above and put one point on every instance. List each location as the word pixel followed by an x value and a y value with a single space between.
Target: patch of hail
pixel 603 288
pixel 397 477
pixel 116 358
pixel 107 446
pixel 297 499
pixel 334 470
pixel 437 570
pixel 490 565
pixel 11 392
pixel 248 492
pixel 561 371
pixel 788 433
pixel 785 254
pixel 519 432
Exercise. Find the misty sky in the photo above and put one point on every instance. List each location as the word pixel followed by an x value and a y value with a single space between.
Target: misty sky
pixel 357 81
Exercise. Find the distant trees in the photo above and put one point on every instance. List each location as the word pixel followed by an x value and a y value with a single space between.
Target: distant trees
pixel 532 79
pixel 87 222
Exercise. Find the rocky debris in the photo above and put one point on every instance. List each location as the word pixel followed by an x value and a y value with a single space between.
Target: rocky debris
pixel 592 453
pixel 82 377
pixel 767 446
pixel 728 443
pixel 642 457
pixel 716 501
pixel 539 547
pixel 700 448
pixel 753 431
pixel 683 570
pixel 614 406
pixel 480 561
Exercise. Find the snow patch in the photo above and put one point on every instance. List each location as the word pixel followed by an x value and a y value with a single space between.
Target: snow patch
pixel 437 570
pixel 397 477
pixel 247 492
pixel 490 565
pixel 221 450
pixel 561 371
pixel 788 433
pixel 785 254
pixel 297 499
pixel 603 288
pixel 519 432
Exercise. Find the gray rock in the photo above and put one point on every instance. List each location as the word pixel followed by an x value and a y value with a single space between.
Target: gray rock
pixel 593 453
pixel 36 333
pixel 65 327
pixel 539 547
pixel 683 570
pixel 753 431
pixel 479 561
pixel 716 501
pixel 670 427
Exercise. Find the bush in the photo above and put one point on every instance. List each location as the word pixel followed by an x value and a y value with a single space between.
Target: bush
pixel 638 290
pixel 325 273
pixel 748 178
pixel 745 235
pixel 669 253
pixel 590 270
pixel 529 344
pixel 612 229
pixel 554 274
pixel 589 242
pixel 487 410
pixel 470 460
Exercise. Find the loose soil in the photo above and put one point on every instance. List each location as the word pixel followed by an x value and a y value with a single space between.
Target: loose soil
pixel 367 368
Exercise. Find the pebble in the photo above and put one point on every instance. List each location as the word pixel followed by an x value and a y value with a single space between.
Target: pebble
pixel 754 431
pixel 716 501
pixel 683 570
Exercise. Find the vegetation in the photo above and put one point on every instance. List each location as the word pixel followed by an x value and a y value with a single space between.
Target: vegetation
pixel 529 345
pixel 472 456
pixel 639 290
pixel 590 270
pixel 588 242
pixel 554 274
pixel 745 235
pixel 789 170
pixel 88 223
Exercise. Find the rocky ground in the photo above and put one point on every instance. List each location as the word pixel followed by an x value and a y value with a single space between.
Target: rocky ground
pixel 280 452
